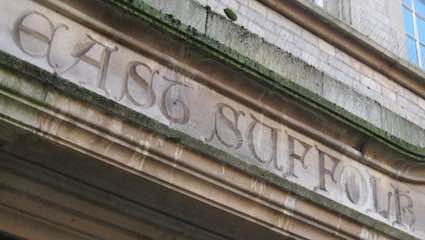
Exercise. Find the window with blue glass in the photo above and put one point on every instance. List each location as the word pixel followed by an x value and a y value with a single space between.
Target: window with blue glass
pixel 319 2
pixel 414 24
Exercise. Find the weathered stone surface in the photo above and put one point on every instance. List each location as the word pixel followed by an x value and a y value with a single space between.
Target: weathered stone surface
pixel 185 11
pixel 352 101
pixel 285 57
pixel 178 101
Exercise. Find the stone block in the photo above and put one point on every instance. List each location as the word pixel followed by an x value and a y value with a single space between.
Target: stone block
pixel 188 12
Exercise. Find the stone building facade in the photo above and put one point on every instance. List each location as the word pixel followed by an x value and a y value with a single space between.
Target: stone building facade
pixel 212 119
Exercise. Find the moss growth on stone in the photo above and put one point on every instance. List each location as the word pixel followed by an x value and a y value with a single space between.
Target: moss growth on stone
pixel 29 72
pixel 275 81
pixel 214 49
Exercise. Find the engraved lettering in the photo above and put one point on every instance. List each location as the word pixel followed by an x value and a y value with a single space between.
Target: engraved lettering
pixel 81 51
pixel 295 156
pixel 273 141
pixel 354 184
pixel 352 189
pixel 45 37
pixel 374 186
pixel 55 66
pixel 323 171
pixel 230 124
pixel 398 202
pixel 144 83
pixel 166 101
pixel 352 181
pixel 403 208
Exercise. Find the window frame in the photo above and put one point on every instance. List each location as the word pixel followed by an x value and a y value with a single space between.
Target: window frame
pixel 340 9
pixel 320 3
pixel 420 57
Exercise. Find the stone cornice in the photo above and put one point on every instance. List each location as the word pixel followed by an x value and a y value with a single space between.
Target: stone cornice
pixel 399 159
pixel 353 42
pixel 177 161
pixel 57 118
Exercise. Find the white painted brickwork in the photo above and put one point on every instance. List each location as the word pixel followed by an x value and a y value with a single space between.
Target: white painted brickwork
pixel 292 38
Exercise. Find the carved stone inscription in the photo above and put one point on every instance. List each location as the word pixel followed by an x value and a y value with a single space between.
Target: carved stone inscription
pixel 76 53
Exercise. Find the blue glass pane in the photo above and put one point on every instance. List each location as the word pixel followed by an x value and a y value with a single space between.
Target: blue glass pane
pixel 420 7
pixel 408 21
pixel 411 51
pixel 423 56
pixel 407 3
pixel 420 23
